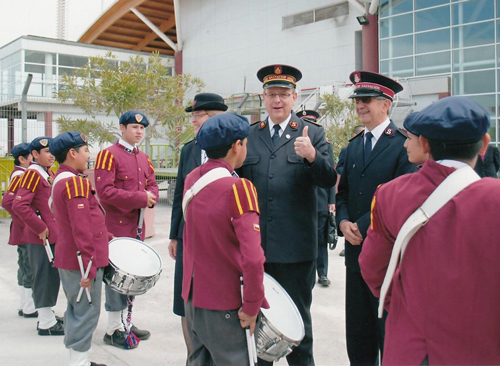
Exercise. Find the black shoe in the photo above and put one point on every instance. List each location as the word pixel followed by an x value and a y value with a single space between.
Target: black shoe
pixel 97 364
pixel 32 315
pixel 324 281
pixel 20 313
pixel 117 339
pixel 56 329
pixel 342 253
pixel 141 334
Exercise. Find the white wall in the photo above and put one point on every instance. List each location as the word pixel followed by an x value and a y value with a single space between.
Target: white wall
pixel 228 40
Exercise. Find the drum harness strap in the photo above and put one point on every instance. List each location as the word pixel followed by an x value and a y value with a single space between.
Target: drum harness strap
pixel 449 188
pixel 59 177
pixel 201 183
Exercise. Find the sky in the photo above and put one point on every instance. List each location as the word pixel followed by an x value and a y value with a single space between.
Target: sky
pixel 39 17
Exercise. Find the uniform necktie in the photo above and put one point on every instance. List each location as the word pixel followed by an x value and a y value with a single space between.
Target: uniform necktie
pixel 276 135
pixel 368 146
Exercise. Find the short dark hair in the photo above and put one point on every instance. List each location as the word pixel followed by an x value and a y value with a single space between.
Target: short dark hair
pixel 219 152
pixel 446 150
pixel 16 160
pixel 61 156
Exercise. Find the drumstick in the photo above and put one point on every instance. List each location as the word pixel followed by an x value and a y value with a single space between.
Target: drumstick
pixel 139 225
pixel 46 245
pixel 252 351
pixel 84 276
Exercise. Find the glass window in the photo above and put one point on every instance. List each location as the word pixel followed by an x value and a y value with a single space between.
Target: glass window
pixel 74 61
pixel 37 57
pixel 432 18
pixel 473 11
pixel 473 35
pixel 396 47
pixel 486 101
pixel 400 67
pixel 393 7
pixel 474 82
pixel 432 41
pixel 435 63
pixel 396 26
pixel 66 70
pixel 474 58
pixel 421 4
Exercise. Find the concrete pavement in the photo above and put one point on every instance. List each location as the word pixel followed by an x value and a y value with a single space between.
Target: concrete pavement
pixel 20 344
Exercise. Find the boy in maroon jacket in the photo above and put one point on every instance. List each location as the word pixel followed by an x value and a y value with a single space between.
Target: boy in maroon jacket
pixel 82 230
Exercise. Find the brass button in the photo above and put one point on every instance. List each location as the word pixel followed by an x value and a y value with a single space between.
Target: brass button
pixel 126 177
pixel 121 222
pixel 139 169
pixel 100 232
pixel 140 183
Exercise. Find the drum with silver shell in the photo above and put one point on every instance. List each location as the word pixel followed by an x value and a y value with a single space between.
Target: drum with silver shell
pixel 134 267
pixel 281 327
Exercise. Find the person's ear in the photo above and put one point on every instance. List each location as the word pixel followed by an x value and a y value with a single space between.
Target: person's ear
pixel 424 144
pixel 486 141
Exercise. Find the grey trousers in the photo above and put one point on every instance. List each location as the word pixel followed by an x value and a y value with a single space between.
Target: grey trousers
pixel 80 319
pixel 46 279
pixel 24 276
pixel 114 300
pixel 217 337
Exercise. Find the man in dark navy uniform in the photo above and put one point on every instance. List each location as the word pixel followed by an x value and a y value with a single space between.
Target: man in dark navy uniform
pixel 287 160
pixel 488 164
pixel 373 157
pixel 205 105
pixel 326 204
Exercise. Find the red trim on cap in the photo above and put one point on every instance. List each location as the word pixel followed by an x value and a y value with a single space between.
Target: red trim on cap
pixel 383 89
pixel 310 116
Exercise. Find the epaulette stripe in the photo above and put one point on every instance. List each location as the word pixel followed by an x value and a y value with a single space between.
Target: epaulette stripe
pixel 371 211
pixel 16 185
pixel 88 188
pixel 110 162
pixel 248 194
pixel 103 165
pixel 12 182
pixel 151 165
pixel 36 184
pixel 67 188
pixel 237 198
pixel 26 175
pixel 254 191
pixel 76 187
pixel 81 186
pixel 98 160
pixel 31 180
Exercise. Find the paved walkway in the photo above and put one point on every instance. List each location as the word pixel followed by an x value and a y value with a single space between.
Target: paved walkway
pixel 20 344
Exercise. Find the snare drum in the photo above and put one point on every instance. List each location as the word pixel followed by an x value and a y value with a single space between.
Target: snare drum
pixel 281 327
pixel 134 267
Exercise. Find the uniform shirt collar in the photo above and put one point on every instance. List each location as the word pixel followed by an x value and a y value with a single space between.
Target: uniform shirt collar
pixel 125 144
pixel 452 163
pixel 378 131
pixel 282 124
pixel 67 168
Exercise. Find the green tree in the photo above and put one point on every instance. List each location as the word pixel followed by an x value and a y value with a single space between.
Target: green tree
pixel 113 87
pixel 340 118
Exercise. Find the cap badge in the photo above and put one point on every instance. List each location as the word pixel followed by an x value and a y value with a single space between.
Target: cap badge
pixel 44 142
pixel 389 131
pixel 357 77
pixel 83 137
pixel 50 180
pixel 278 70
pixel 262 125
pixel 294 125
pixel 138 117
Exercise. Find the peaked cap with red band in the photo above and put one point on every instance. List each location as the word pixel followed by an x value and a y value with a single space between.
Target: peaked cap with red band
pixel 371 84
pixel 309 114
pixel 282 76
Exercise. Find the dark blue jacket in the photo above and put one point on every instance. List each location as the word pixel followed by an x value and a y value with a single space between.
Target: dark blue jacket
pixel 358 182
pixel 286 185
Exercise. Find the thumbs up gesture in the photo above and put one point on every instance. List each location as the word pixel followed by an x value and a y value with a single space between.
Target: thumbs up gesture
pixel 304 147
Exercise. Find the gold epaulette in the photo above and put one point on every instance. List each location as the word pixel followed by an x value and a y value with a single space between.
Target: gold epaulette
pixel 77 187
pixel 30 180
pixel 104 161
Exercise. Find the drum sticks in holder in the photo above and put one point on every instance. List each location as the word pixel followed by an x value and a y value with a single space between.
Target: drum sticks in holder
pixel 252 350
pixel 85 275
pixel 46 244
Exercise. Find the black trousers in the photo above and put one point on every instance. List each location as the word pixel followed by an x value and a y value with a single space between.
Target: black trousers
pixel 364 330
pixel 298 281
pixel 322 261
pixel 178 301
